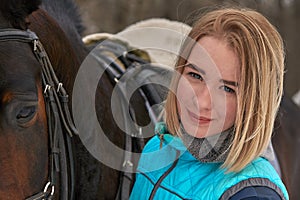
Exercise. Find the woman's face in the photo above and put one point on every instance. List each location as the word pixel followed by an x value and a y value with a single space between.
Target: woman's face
pixel 207 90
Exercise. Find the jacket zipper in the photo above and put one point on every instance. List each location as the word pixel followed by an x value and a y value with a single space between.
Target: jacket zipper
pixel 157 184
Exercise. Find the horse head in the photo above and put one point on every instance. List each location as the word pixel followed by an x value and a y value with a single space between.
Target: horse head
pixel 23 126
pixel 36 156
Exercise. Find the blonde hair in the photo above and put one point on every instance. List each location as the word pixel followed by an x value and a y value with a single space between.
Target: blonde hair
pixel 260 49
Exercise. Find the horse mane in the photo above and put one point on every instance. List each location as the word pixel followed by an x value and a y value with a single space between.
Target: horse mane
pixel 17 11
pixel 66 13
pixel 67 18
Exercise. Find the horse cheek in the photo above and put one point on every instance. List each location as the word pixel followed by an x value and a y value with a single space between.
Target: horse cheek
pixel 7 171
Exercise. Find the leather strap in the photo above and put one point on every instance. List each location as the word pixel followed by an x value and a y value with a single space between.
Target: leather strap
pixel 59 122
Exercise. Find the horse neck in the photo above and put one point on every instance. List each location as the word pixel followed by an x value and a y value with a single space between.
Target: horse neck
pixel 65 54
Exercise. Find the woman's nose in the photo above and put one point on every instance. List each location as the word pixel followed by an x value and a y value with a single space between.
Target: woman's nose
pixel 203 98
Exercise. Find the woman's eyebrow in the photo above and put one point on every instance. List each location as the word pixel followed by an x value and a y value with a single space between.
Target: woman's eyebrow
pixel 233 83
pixel 195 67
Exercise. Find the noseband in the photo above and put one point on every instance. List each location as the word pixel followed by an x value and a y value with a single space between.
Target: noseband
pixel 58 119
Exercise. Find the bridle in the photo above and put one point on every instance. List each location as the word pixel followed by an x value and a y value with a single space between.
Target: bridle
pixel 60 124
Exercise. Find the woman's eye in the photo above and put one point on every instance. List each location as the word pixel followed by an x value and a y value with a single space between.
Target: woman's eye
pixel 195 75
pixel 227 89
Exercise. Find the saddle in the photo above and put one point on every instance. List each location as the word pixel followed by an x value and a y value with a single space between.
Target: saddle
pixel 132 69
pixel 129 70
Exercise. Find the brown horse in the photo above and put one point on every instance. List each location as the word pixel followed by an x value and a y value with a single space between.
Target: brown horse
pixel 23 129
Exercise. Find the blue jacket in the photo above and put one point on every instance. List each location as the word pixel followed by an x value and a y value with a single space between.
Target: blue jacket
pixel 168 171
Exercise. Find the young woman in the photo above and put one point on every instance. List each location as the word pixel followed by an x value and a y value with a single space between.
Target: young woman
pixel 219 114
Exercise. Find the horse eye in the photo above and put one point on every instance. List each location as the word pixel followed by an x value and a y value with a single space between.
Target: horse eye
pixel 26 114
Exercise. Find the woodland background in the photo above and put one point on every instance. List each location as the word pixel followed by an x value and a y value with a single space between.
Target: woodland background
pixel 112 16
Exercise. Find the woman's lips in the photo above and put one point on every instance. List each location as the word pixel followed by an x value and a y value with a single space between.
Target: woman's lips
pixel 201 120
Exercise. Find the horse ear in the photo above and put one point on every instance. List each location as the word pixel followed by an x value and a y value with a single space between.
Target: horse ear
pixel 16 11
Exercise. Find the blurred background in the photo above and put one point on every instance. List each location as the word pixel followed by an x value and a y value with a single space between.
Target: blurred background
pixel 112 16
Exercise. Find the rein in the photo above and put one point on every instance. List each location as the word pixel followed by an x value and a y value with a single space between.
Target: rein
pixel 59 120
